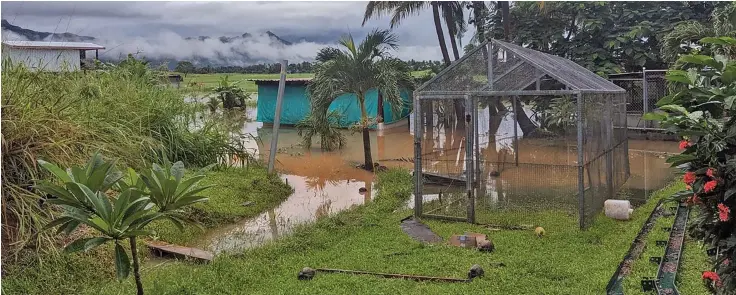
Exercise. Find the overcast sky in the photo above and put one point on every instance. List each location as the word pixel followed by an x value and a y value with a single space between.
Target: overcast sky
pixel 154 27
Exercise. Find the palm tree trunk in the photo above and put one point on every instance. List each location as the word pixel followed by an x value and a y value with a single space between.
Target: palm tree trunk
pixel 368 159
pixel 479 20
pixel 505 16
pixel 440 34
pixel 526 124
pixel 380 112
pixel 136 267
pixel 453 35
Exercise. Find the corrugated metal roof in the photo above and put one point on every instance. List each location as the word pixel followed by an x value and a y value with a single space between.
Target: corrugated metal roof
pixel 53 45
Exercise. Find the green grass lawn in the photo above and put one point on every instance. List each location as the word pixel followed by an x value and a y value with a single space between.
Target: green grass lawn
pixel 232 188
pixel 565 261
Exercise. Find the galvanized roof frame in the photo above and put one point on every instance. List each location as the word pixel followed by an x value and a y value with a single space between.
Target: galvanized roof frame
pixel 534 64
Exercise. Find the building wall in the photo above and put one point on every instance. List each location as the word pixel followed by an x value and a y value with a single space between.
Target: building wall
pixel 52 60
pixel 296 105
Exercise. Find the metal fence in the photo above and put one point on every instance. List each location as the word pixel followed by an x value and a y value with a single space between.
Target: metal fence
pixel 643 89
pixel 545 138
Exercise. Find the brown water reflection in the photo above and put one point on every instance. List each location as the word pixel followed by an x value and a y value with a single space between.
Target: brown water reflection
pixel 327 182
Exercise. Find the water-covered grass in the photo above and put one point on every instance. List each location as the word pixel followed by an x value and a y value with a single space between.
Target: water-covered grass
pixel 238 193
pixel 565 261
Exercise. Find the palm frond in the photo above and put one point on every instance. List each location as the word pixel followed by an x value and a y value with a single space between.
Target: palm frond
pixel 405 9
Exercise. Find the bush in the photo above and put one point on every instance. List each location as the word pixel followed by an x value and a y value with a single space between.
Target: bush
pixel 65 117
pixel 699 113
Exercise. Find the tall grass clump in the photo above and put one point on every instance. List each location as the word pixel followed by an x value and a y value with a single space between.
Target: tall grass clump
pixel 65 117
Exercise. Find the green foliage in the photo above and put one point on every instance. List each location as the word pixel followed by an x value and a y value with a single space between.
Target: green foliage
pixel 699 114
pixel 184 67
pixel 357 69
pixel 330 135
pixel 170 192
pixel 560 115
pixel 605 37
pixel 114 220
pixel 230 94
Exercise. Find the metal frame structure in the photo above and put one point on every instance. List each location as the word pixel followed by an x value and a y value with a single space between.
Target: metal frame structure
pixel 512 71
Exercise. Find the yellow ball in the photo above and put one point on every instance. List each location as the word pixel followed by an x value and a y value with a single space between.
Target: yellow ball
pixel 539 231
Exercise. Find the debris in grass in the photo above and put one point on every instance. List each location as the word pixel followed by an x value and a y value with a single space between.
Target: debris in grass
pixel 306 273
pixel 475 272
pixel 419 231
pixel 539 231
pixel 496 227
pixel 248 203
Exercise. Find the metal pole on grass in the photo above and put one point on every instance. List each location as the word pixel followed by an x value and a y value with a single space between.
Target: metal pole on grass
pixel 645 93
pixel 277 117
pixel 581 177
pixel 418 178
pixel 516 130
pixel 469 165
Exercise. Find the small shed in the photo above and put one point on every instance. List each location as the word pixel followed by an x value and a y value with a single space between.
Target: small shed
pixel 49 56
pixel 296 104
pixel 175 80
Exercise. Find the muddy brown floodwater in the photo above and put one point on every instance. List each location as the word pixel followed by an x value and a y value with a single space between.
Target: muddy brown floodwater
pixel 327 182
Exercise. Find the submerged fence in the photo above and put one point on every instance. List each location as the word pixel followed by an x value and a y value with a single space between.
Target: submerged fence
pixel 643 90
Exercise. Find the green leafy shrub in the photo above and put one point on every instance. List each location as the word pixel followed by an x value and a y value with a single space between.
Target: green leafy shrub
pixel 702 113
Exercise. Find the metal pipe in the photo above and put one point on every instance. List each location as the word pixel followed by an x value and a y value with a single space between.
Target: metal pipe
pixel 516 131
pixel 581 177
pixel 277 117
pixel 418 178
pixel 645 93
pixel 394 276
pixel 469 158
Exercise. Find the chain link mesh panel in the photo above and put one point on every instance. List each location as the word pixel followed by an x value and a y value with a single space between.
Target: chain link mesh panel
pixel 510 152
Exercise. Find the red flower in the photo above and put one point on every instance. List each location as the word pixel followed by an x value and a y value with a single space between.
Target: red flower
pixel 710 172
pixel 696 200
pixel 723 211
pixel 710 186
pixel 710 275
pixel 689 178
pixel 726 262
pixel 684 144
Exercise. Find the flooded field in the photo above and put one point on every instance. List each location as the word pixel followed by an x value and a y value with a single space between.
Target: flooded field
pixel 327 182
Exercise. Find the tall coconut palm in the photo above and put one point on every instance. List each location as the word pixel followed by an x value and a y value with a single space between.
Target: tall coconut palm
pixel 356 69
pixel 447 10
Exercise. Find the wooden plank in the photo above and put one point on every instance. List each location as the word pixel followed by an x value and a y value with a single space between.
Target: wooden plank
pixel 188 252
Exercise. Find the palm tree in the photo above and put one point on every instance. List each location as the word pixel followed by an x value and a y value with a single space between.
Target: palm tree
pixel 688 33
pixel 356 69
pixel 403 9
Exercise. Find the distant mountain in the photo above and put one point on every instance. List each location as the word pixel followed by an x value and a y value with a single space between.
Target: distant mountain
pixel 215 58
pixel 243 37
pixel 44 36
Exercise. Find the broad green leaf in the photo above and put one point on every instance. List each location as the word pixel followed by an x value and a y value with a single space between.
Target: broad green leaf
pixel 77 245
pixel 94 242
pixel 696 115
pixel 729 75
pixel 177 170
pixel 55 190
pixel 701 60
pixel 58 172
pixel 728 103
pixel 680 159
pixel 138 233
pixel 712 40
pixel 655 116
pixel 675 108
pixel 122 263
pixel 730 192
pixel 55 222
pixel 79 175
pixel 188 183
